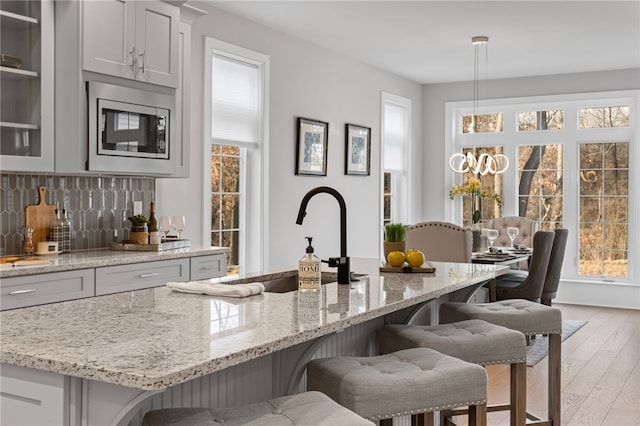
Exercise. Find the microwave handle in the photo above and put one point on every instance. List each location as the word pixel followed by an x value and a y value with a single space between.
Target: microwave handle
pixel 141 57
pixel 134 63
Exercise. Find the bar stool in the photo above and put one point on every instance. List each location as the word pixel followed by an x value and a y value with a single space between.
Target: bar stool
pixel 473 341
pixel 307 408
pixel 529 318
pixel 408 382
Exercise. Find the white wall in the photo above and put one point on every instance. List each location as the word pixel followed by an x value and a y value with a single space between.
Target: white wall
pixel 312 82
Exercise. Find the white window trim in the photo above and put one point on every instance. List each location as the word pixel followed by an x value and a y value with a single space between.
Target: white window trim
pixel 255 237
pixel 510 106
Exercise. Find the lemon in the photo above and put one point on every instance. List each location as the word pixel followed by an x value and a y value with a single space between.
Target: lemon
pixel 396 258
pixel 415 258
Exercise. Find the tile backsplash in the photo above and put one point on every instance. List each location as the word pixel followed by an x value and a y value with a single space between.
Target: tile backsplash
pixel 98 207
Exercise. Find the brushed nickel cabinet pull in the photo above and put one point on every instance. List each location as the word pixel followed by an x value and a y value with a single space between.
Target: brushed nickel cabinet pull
pixel 13 293
pixel 155 274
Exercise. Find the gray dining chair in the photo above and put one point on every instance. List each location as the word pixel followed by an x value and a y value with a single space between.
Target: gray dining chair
pixel 526 229
pixel 530 288
pixel 552 277
pixel 440 241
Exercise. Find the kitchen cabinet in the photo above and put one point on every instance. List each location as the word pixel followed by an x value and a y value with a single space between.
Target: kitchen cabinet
pixel 116 279
pixel 204 267
pixel 27 85
pixel 31 290
pixel 32 397
pixel 137 40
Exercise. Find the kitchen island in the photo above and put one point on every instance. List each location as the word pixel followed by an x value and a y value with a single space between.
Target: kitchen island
pixel 99 360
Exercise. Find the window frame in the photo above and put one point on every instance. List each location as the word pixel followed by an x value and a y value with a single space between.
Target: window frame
pixel 253 235
pixel 571 136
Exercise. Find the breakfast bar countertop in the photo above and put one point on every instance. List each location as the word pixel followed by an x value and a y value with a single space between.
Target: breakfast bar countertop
pixel 104 257
pixel 155 338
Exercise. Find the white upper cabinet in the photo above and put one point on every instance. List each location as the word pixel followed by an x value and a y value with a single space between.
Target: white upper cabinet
pixel 138 40
pixel 26 80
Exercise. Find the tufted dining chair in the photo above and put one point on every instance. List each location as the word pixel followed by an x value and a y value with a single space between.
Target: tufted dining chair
pixel 552 279
pixel 530 288
pixel 440 241
pixel 526 228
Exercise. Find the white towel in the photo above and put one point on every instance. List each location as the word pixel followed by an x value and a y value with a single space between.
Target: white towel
pixel 217 289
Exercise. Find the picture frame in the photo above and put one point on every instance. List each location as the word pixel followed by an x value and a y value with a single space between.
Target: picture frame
pixel 357 159
pixel 311 147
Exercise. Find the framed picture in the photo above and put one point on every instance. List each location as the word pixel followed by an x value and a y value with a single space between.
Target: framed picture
pixel 357 159
pixel 311 147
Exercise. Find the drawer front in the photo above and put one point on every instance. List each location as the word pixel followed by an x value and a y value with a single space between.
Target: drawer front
pixel 116 279
pixel 20 292
pixel 213 266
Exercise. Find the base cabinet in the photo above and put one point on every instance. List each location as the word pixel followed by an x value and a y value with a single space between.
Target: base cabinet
pixel 32 397
pixel 31 290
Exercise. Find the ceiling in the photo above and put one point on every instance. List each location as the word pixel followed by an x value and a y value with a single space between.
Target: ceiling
pixel 430 41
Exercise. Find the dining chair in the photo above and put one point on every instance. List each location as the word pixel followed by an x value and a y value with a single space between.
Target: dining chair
pixel 531 287
pixel 552 278
pixel 440 241
pixel 526 229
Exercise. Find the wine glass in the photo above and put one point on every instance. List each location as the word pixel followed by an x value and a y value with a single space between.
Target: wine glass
pixel 178 224
pixel 164 223
pixel 512 232
pixel 492 235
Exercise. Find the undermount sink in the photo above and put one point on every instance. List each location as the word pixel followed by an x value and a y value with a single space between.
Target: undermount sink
pixel 286 281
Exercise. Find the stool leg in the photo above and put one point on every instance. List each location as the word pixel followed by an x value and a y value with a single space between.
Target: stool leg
pixel 518 388
pixel 555 361
pixel 478 415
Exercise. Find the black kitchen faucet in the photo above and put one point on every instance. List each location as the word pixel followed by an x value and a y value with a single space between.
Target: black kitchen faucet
pixel 342 262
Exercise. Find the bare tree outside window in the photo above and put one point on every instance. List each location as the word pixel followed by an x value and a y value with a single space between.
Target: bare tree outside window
pixel 225 202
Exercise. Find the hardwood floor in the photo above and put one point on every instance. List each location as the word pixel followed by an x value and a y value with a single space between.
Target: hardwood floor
pixel 600 372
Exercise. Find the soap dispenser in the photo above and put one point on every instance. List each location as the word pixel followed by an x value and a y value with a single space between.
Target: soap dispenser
pixel 309 270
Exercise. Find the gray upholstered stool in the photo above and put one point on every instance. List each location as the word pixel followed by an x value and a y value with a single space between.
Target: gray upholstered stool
pixel 407 382
pixel 529 318
pixel 308 408
pixel 474 341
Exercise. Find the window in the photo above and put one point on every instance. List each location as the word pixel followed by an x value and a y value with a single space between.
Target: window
pixel 235 99
pixel 540 184
pixel 396 137
pixel 604 209
pixel 571 164
pixel 225 202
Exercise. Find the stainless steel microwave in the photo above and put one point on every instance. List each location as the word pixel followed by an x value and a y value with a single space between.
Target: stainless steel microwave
pixel 130 130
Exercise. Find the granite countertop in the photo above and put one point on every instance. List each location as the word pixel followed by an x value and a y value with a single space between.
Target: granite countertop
pixel 155 338
pixel 105 257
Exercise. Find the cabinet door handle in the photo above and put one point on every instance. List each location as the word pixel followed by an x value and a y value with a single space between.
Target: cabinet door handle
pixel 153 274
pixel 209 267
pixel 141 58
pixel 13 293
pixel 134 64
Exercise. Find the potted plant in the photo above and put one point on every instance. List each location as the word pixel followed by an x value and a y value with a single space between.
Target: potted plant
pixel 139 230
pixel 394 238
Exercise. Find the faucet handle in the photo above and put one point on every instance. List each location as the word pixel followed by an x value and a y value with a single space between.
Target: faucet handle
pixel 334 262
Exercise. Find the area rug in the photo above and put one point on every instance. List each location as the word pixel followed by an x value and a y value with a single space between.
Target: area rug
pixel 540 345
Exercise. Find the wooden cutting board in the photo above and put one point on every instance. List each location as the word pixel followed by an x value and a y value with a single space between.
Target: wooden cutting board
pixel 39 217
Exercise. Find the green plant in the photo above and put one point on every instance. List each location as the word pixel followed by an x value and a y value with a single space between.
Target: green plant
pixel 473 190
pixel 394 232
pixel 138 219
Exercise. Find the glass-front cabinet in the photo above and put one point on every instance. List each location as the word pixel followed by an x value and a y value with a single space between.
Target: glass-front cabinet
pixel 27 85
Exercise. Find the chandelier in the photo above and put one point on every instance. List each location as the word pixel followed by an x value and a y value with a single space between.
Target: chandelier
pixel 485 163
